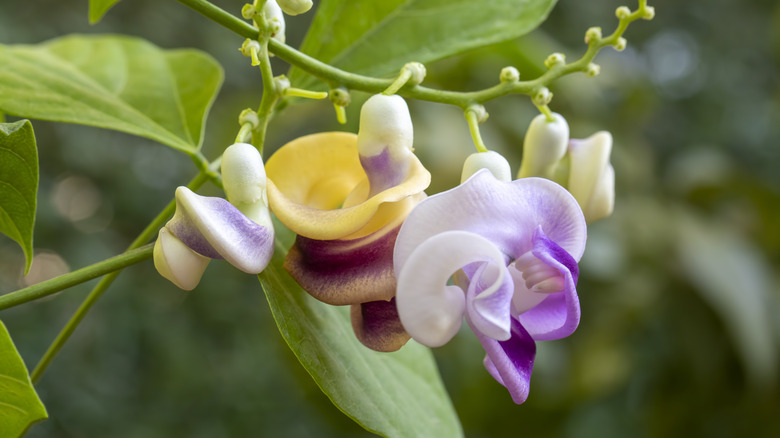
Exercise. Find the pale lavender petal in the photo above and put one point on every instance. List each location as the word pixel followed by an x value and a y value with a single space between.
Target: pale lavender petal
pixel 215 228
pixel 344 272
pixel 383 172
pixel 506 213
pixel 559 314
pixel 377 326
pixel 489 300
pixel 430 310
pixel 511 362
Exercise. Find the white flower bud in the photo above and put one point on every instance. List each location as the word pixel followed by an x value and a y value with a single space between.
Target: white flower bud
pixel 593 34
pixel 294 7
pixel 649 13
pixel 177 262
pixel 509 74
pixel 275 18
pixel 555 60
pixel 544 145
pixel 591 176
pixel 593 70
pixel 620 45
pixel 490 160
pixel 244 180
pixel 622 12
pixel 385 122
pixel 542 96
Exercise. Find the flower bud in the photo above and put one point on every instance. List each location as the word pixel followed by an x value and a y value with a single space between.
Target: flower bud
pixel 509 74
pixel 542 96
pixel 243 177
pixel 620 45
pixel 591 176
pixel 649 13
pixel 490 160
pixel 385 140
pixel 555 60
pixel 544 146
pixel 275 18
pixel 593 70
pixel 593 35
pixel 418 72
pixel 622 12
pixel 177 262
pixel 294 7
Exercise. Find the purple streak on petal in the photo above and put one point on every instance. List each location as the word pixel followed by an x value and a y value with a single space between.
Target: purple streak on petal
pixel 559 314
pixel 215 228
pixel 506 213
pixel 183 227
pixel 345 271
pixel 489 303
pixel 377 326
pixel 511 362
pixel 383 172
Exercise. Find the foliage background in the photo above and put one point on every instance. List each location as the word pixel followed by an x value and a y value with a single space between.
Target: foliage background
pixel 679 289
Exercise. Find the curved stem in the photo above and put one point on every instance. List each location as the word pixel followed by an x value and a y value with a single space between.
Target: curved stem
pixel 46 288
pixel 146 235
pixel 333 75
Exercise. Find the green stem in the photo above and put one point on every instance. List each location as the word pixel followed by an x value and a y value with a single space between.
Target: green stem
pixel 70 279
pixel 146 235
pixel 354 81
pixel 270 96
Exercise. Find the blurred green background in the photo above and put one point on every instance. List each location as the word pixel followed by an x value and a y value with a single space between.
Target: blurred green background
pixel 679 288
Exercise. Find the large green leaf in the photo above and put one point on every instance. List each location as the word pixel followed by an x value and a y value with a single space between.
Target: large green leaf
pixel 397 394
pixel 18 184
pixel 378 37
pixel 20 406
pixel 98 8
pixel 113 82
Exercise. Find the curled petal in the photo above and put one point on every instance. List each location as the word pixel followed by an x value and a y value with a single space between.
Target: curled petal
pixel 430 310
pixel 214 228
pixel 505 213
pixel 591 177
pixel 488 301
pixel 345 271
pixel 377 326
pixel 510 362
pixel 312 177
pixel 177 262
pixel 559 314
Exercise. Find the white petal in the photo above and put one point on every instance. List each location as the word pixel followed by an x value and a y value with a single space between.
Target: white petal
pixel 177 262
pixel 431 311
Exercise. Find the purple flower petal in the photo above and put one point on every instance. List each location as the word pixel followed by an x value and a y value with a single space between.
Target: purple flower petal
pixel 215 228
pixel 489 299
pixel 344 272
pixel 559 314
pixel 511 362
pixel 430 310
pixel 377 326
pixel 506 213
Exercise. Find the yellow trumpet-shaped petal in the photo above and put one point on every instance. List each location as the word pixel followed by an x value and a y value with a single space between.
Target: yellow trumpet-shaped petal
pixel 318 188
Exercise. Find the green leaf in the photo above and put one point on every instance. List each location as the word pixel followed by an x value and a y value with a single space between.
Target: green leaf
pixel 20 406
pixel 397 394
pixel 115 82
pixel 18 184
pixel 98 8
pixel 378 37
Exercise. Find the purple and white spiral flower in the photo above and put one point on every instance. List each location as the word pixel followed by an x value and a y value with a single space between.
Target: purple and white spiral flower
pixel 204 228
pixel 512 249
